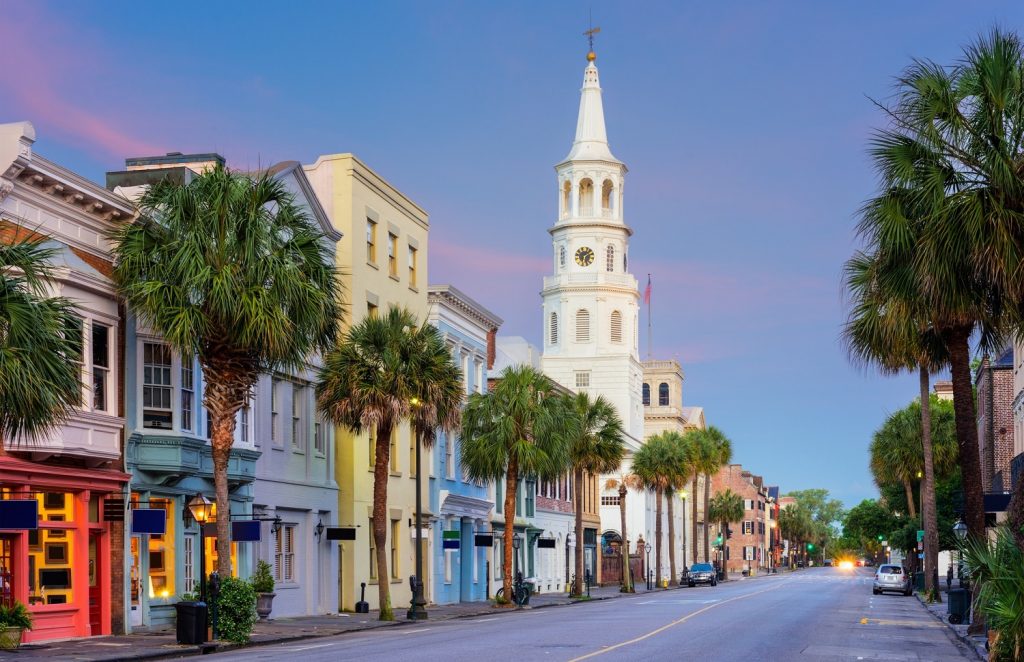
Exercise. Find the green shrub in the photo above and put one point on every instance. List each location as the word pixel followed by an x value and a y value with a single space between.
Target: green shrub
pixel 999 570
pixel 262 581
pixel 236 610
pixel 15 616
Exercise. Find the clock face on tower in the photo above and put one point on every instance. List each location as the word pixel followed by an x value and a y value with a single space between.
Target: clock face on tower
pixel 584 257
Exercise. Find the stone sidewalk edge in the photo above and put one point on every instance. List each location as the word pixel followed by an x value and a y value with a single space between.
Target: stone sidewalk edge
pixel 979 650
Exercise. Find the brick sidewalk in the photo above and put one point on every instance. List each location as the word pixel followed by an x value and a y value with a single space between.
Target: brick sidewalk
pixel 161 643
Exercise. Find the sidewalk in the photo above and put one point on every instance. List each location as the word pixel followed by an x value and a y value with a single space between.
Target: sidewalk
pixel 161 643
pixel 941 612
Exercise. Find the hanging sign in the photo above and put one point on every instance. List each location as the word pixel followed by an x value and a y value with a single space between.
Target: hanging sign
pixel 483 540
pixel 545 543
pixel 149 521
pixel 246 530
pixel 19 514
pixel 450 539
pixel 341 533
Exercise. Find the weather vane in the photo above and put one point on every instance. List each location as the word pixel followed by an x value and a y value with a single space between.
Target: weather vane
pixel 589 34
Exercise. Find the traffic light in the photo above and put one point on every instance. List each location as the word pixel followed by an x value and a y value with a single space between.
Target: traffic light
pixel 810 547
pixel 880 538
pixel 718 540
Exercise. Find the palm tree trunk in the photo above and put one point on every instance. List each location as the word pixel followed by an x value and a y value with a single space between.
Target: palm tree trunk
pixel 221 454
pixel 381 472
pixel 511 483
pixel 908 489
pixel 672 577
pixel 693 538
pixel 627 580
pixel 577 588
pixel 958 344
pixel 658 494
pixel 931 527
pixel 707 529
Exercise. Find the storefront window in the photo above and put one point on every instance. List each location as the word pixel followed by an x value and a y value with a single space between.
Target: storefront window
pixel 211 556
pixel 51 550
pixel 160 582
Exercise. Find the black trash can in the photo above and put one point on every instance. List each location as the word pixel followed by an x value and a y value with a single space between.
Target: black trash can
pixel 919 581
pixel 958 602
pixel 192 620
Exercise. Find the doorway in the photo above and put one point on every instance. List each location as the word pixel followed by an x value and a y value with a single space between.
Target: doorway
pixel 95 584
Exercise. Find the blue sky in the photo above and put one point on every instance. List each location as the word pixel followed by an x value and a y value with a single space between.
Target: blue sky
pixel 743 125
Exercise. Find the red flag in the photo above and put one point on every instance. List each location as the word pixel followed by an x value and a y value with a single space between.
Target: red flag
pixel 647 290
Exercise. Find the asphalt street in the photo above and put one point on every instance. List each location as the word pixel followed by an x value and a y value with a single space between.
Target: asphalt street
pixel 814 614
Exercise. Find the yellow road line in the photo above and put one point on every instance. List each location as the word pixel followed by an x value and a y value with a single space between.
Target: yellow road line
pixel 652 633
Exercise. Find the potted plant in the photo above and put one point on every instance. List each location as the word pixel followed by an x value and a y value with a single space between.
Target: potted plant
pixel 14 620
pixel 263 583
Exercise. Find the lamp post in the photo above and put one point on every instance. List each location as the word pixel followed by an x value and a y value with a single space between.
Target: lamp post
pixel 201 509
pixel 418 609
pixel 960 531
pixel 516 542
pixel 647 548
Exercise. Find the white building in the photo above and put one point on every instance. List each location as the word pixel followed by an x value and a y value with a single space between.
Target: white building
pixel 591 302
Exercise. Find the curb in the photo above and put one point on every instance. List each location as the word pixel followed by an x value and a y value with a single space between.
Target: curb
pixel 979 651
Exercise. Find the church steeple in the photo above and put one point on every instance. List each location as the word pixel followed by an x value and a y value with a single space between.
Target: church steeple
pixel 591 143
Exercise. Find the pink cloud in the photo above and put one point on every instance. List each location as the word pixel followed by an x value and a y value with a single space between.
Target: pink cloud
pixel 54 73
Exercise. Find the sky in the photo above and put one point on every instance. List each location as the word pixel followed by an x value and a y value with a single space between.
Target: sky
pixel 744 126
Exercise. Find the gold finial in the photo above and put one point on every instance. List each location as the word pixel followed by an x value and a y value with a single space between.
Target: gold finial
pixel 589 34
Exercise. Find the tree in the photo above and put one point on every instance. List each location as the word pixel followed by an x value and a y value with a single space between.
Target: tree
pixel 519 428
pixel 595 447
pixel 659 466
pixel 683 471
pixel 867 523
pixel 795 524
pixel 40 344
pixel 229 269
pixel 711 450
pixel 387 369
pixel 955 142
pixel 726 507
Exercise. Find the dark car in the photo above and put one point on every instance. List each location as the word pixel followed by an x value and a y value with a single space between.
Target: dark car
pixel 702 573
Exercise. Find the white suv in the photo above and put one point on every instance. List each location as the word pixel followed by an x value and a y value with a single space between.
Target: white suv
pixel 891 578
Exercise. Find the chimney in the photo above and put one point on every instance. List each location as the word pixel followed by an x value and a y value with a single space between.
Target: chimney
pixel 491 349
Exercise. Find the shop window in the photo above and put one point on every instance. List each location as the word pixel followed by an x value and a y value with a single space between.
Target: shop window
pixel 284 554
pixel 156 387
pixel 211 556
pixel 189 567
pixel 100 366
pixel 51 551
pixel 160 554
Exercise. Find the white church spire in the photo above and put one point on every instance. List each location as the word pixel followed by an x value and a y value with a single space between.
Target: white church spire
pixel 591 143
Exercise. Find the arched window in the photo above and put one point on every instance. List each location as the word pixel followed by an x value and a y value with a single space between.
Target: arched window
pixel 616 326
pixel 663 394
pixel 561 256
pixel 647 394
pixel 586 205
pixel 554 328
pixel 566 199
pixel 609 258
pixel 583 325
pixel 606 198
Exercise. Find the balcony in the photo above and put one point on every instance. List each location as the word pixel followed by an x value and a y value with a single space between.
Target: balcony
pixel 95 437
pixel 180 456
pixel 593 278
pixel 588 212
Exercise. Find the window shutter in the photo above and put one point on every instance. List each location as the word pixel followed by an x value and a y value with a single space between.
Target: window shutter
pixel 616 326
pixel 554 328
pixel 583 325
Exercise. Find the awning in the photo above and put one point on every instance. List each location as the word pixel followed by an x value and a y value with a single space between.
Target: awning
pixel 39 474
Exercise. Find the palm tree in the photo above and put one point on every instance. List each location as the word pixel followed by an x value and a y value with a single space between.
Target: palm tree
pixel 711 451
pixel 683 469
pixel 595 447
pixel 519 428
pixel 726 507
pixel 384 368
pixel 654 467
pixel 40 344
pixel 795 524
pixel 230 269
pixel 955 145
pixel 623 483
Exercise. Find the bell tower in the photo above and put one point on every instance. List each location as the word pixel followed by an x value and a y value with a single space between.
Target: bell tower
pixel 591 301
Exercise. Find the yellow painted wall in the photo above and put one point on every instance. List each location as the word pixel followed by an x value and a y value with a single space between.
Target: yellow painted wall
pixel 351 192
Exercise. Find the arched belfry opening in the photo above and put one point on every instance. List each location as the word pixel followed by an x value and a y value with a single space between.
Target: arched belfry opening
pixel 566 198
pixel 607 198
pixel 586 200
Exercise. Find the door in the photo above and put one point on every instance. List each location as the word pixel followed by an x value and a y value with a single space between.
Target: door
pixel 95 579
pixel 6 571
pixel 135 616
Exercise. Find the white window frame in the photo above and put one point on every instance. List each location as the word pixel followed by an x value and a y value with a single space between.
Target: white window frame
pixel 449 457
pixel 171 386
pixel 188 395
pixel 298 430
pixel 105 371
pixel 275 413
pixel 284 554
pixel 582 379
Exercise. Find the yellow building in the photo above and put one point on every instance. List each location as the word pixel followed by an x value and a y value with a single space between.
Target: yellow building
pixel 383 256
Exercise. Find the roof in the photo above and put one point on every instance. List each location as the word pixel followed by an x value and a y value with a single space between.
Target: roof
pixel 591 142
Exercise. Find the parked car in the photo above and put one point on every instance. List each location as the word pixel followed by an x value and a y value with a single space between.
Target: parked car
pixel 891 578
pixel 702 573
pixel 828 563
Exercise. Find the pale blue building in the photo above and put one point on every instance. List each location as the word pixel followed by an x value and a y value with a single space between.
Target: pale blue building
pixel 458 568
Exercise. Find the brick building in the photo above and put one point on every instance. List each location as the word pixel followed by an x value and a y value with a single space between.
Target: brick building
pixel 748 548
pixel 994 381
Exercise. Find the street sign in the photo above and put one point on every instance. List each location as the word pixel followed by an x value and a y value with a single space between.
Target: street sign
pixel 450 539
pixel 483 540
pixel 920 536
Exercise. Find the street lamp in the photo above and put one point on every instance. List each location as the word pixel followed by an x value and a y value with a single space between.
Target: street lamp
pixel 418 609
pixel 647 548
pixel 201 509
pixel 960 531
pixel 516 542
pixel 682 496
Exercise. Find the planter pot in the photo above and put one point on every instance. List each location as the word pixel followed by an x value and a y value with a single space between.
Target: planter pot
pixel 264 604
pixel 10 637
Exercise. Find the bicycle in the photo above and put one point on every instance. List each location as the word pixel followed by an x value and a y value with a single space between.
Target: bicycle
pixel 520 591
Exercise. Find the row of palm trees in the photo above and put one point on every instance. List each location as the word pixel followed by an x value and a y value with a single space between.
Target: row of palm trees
pixel 944 245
